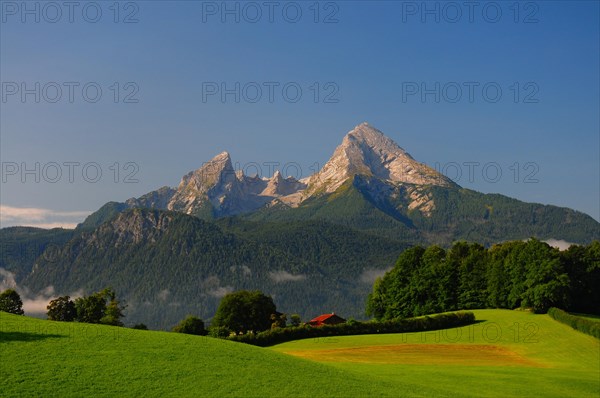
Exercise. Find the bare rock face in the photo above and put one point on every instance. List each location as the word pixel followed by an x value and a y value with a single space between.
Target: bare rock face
pixel 136 227
pixel 219 189
pixel 366 151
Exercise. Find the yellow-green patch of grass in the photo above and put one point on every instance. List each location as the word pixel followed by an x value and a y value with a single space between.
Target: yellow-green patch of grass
pixel 539 357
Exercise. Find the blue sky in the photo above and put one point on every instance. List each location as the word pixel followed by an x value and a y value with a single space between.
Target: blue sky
pixel 541 133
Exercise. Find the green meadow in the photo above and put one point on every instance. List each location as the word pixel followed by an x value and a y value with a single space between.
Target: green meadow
pixel 505 353
pixel 53 359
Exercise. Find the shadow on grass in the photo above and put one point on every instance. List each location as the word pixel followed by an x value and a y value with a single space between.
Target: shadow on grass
pixel 476 321
pixel 590 316
pixel 6 337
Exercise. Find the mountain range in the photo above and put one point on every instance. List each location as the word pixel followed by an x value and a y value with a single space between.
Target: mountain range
pixel 315 244
pixel 217 190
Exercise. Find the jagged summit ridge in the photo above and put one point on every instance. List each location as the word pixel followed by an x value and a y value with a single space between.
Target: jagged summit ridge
pixel 220 190
pixel 218 187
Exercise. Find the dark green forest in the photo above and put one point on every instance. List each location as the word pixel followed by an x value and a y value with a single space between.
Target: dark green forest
pixel 510 275
pixel 21 246
pixel 166 265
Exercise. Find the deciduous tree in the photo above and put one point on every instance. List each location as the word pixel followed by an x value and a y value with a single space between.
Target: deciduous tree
pixel 244 311
pixel 191 325
pixel 295 320
pixel 10 302
pixel 61 309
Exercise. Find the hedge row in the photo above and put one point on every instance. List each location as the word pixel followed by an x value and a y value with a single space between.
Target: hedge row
pixel 581 324
pixel 281 335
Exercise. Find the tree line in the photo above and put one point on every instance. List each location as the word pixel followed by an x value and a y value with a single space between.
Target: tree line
pixel 102 307
pixel 239 312
pixel 514 274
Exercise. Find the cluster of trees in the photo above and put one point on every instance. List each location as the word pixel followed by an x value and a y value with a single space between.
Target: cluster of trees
pixel 245 312
pixel 515 274
pixel 239 312
pixel 249 311
pixel 191 325
pixel 100 307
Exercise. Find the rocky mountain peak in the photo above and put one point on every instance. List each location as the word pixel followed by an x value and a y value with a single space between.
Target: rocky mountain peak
pixel 367 151
pixel 213 180
pixel 218 169
pixel 222 157
pixel 365 131
pixel 369 137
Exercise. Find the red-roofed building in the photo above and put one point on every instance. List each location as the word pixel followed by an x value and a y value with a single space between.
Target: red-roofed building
pixel 327 319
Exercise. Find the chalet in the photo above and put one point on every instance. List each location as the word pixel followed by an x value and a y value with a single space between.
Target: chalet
pixel 327 319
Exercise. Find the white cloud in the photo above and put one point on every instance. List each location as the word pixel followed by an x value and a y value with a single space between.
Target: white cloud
pixel 212 286
pixel 40 218
pixel 36 304
pixel 559 243
pixel 284 276
pixel 51 225
pixel 163 295
pixel 369 275
pixel 77 293
pixel 220 291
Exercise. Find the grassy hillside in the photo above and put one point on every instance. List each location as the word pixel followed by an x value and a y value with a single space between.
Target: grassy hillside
pixel 53 359
pixel 510 353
